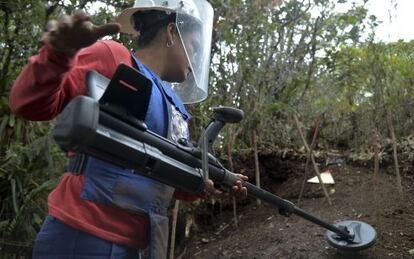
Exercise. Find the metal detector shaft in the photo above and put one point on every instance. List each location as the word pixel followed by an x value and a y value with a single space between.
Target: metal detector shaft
pixel 289 208
pixel 222 176
pixel 84 127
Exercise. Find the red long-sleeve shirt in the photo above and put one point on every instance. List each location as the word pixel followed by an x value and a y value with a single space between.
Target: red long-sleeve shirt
pixel 46 84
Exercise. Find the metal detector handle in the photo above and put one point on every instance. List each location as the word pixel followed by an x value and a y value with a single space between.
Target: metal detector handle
pixel 228 114
pixel 222 115
pixel 211 133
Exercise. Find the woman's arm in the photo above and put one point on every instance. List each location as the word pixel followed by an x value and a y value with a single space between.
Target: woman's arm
pixel 45 85
pixel 57 74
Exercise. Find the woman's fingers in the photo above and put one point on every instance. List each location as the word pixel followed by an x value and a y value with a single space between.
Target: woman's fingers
pixel 80 16
pixel 82 21
pixel 210 188
pixel 106 29
pixel 52 26
pixel 65 23
pixel 243 177
pixel 238 188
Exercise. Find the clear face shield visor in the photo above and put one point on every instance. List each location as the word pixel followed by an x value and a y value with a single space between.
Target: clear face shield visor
pixel 195 25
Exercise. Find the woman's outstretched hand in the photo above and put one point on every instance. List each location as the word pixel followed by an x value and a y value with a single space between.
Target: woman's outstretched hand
pixel 68 34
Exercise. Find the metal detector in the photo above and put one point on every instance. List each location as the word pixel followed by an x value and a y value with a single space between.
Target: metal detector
pixel 109 130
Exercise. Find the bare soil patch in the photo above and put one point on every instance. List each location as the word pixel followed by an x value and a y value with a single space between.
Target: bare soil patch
pixel 263 233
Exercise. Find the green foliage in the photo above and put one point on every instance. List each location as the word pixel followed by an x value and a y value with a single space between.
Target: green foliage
pixel 27 174
pixel 267 60
pixel 361 84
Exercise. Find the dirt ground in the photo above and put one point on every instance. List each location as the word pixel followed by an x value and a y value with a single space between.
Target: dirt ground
pixel 263 233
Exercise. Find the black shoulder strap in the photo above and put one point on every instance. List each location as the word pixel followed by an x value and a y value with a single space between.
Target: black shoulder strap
pixel 77 163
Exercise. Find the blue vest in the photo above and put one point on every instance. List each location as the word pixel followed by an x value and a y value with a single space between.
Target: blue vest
pixel 109 184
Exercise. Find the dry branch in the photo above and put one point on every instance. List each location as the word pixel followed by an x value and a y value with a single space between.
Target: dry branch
pixel 375 147
pixel 308 159
pixel 315 166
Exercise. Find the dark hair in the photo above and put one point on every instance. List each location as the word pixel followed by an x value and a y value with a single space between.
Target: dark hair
pixel 148 23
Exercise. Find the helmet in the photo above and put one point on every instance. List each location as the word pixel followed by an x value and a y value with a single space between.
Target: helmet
pixel 188 19
pixel 172 6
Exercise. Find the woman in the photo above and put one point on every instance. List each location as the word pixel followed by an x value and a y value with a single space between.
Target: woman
pixel 107 211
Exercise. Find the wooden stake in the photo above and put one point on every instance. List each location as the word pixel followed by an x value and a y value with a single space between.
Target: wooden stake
pixel 315 166
pixel 308 158
pixel 394 147
pixel 235 219
pixel 256 163
pixel 229 154
pixel 174 227
pixel 375 147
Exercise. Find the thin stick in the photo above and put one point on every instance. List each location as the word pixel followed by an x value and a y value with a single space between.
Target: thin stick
pixel 256 163
pixel 308 158
pixel 235 219
pixel 375 147
pixel 174 227
pixel 394 147
pixel 315 167
pixel 229 153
